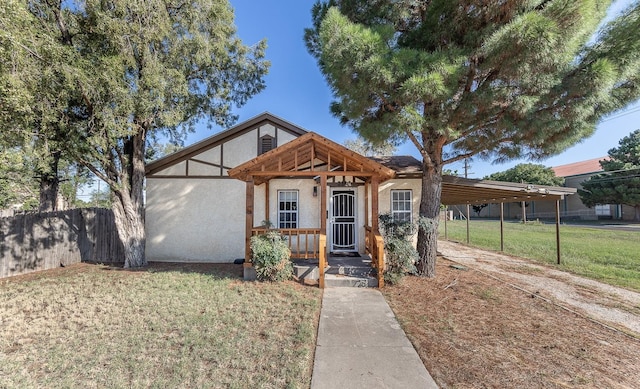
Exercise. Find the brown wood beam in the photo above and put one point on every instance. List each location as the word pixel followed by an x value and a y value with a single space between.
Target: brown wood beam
pixel 323 204
pixel 366 203
pixel 277 173
pixel 374 203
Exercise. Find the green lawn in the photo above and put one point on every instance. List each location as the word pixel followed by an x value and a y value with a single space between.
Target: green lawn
pixel 611 256
pixel 87 326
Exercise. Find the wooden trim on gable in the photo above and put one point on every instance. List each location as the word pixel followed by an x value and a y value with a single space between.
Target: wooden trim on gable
pixel 222 137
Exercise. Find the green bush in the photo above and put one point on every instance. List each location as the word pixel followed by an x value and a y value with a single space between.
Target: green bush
pixel 401 255
pixel 271 257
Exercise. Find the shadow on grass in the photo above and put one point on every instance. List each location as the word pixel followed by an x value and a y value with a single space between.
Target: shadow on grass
pixel 217 270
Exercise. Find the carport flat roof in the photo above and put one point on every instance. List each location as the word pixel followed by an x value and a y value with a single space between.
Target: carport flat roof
pixel 457 190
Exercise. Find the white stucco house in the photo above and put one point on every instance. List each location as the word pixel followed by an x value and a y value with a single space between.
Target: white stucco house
pixel 204 202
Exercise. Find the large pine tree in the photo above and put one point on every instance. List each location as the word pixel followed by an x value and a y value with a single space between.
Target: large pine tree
pixel 500 80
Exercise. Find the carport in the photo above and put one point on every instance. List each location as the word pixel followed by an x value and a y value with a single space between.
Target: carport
pixel 459 191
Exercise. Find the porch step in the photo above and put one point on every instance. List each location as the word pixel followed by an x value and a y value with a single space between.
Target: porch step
pixel 306 271
pixel 337 280
pixel 352 271
pixel 349 272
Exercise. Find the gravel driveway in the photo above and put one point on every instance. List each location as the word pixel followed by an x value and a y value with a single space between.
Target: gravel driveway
pixel 613 306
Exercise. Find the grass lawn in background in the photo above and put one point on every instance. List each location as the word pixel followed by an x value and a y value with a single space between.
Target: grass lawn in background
pixel 611 256
pixel 167 326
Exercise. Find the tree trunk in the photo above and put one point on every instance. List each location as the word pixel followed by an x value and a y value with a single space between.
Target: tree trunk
pixel 130 226
pixel 48 193
pixel 49 184
pixel 128 207
pixel 429 218
pixel 637 217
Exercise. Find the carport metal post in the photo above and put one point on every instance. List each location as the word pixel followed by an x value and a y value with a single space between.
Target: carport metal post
pixel 558 229
pixel 468 215
pixel 501 226
pixel 446 216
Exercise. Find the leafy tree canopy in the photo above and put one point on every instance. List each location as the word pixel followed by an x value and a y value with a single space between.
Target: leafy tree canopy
pixel 18 188
pixel 620 183
pixel 500 80
pixel 528 173
pixel 124 72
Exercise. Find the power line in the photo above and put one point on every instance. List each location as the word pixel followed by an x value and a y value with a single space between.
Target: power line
pixel 629 112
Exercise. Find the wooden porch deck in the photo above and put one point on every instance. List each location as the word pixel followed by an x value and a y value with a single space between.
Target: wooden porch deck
pixel 309 245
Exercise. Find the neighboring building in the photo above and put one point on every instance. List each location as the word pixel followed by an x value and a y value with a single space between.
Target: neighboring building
pixel 574 175
pixel 204 202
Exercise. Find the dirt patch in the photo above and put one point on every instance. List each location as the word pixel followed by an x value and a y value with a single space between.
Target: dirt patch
pixel 615 306
pixel 474 331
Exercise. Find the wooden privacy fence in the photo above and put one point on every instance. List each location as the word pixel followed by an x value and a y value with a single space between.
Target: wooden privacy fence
pixel 40 241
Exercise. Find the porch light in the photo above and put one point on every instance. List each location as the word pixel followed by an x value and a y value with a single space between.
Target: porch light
pixel 315 191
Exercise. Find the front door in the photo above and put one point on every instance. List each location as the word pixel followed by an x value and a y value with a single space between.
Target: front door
pixel 343 220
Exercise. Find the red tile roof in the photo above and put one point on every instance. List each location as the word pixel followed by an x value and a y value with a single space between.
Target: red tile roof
pixel 578 168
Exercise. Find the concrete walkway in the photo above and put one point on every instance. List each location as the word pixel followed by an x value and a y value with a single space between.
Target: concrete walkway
pixel 361 345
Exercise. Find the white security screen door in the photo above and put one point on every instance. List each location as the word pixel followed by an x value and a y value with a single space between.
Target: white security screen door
pixel 343 220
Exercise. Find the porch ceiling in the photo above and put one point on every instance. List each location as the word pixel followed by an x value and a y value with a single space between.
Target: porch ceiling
pixel 309 155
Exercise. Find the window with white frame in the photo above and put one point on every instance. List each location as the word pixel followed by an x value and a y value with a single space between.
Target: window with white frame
pixel 287 209
pixel 401 205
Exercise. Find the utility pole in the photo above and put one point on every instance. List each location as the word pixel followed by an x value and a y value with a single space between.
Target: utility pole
pixel 467 166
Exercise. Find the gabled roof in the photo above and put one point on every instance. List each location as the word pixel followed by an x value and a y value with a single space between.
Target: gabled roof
pixel 309 153
pixel 221 137
pixel 579 168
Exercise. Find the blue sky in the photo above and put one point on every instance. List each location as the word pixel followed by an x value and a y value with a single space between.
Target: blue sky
pixel 297 92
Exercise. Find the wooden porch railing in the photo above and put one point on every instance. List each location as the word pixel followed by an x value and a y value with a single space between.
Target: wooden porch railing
pixel 374 245
pixel 303 242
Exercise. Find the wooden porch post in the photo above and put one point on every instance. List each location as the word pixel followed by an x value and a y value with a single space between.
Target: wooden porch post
pixel 374 203
pixel 323 230
pixel 248 223
pixel 379 254
pixel 366 203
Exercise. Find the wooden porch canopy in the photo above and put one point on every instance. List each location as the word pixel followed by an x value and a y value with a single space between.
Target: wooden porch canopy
pixel 310 155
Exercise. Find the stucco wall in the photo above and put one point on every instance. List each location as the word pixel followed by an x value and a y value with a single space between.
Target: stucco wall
pixel 195 220
pixel 203 219
pixel 384 194
pixel 308 206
